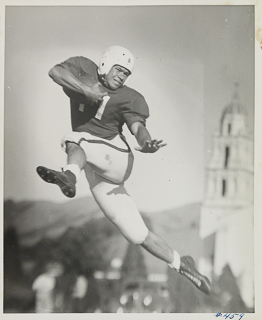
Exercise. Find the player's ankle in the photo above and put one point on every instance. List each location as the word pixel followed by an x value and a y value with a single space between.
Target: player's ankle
pixel 74 169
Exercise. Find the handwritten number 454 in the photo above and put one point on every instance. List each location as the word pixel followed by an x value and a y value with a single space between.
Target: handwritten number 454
pixel 230 315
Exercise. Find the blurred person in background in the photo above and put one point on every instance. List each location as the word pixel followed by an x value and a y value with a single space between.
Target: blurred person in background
pixel 44 286
pixel 79 293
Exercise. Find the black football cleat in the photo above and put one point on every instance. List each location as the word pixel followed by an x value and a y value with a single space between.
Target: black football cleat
pixel 187 269
pixel 65 180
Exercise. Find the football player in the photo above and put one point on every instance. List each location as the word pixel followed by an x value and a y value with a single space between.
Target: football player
pixel 101 104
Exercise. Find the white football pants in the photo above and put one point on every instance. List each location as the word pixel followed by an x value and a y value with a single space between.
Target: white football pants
pixel 109 164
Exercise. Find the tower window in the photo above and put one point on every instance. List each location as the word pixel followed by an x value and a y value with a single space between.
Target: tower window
pixel 229 128
pixel 224 187
pixel 227 156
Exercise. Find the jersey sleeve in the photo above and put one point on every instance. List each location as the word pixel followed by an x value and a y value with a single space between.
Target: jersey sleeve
pixel 79 66
pixel 136 110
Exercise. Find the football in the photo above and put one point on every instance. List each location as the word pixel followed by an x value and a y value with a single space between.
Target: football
pixel 79 97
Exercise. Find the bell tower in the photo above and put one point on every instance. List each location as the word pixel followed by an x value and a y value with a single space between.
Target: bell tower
pixel 227 210
pixel 229 174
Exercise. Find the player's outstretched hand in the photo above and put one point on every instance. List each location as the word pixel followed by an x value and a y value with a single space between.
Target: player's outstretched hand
pixel 151 146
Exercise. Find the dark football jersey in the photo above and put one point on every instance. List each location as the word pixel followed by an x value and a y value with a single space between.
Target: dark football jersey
pixel 124 105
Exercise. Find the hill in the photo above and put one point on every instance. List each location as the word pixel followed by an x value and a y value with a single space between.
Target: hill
pixel 39 221
pixel 35 220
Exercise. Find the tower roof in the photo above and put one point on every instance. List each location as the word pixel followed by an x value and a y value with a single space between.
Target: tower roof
pixel 234 107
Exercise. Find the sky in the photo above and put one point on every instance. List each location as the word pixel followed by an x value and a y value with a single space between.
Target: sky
pixel 187 61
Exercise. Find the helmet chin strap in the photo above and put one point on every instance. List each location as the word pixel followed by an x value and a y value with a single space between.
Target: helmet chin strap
pixel 101 77
pixel 103 80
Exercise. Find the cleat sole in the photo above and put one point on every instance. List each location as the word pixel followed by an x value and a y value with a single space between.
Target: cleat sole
pixel 51 177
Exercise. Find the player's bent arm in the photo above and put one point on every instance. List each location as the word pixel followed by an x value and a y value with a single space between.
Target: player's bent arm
pixel 65 78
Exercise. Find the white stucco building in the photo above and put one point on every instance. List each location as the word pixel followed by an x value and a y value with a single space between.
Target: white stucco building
pixel 227 211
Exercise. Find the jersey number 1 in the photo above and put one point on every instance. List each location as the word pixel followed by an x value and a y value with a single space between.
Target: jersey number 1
pixel 101 108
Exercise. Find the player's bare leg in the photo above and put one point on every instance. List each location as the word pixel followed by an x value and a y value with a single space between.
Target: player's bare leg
pixel 159 248
pixel 184 265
